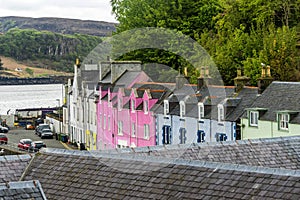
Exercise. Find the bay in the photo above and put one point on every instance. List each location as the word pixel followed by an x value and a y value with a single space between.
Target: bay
pixel 14 97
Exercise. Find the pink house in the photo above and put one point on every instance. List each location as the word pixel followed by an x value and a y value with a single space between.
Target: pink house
pixel 135 120
pixel 126 117
pixel 112 122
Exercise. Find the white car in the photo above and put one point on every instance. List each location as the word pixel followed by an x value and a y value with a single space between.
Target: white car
pixel 3 129
pixel 46 133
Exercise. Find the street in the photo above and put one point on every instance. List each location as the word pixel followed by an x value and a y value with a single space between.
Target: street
pixel 14 135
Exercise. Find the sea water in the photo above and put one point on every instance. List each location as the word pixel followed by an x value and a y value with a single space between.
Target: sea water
pixel 14 97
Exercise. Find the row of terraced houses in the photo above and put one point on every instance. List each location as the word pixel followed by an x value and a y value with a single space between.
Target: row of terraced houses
pixel 114 104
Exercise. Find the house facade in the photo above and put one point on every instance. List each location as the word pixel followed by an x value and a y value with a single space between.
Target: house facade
pixel 275 113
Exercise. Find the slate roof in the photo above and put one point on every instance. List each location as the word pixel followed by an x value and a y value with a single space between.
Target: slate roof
pixel 283 152
pixel 12 167
pixel 210 95
pixel 83 175
pixel 245 98
pixel 22 190
pixel 279 96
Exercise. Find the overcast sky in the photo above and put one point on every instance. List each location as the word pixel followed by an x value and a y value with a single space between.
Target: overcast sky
pixel 99 10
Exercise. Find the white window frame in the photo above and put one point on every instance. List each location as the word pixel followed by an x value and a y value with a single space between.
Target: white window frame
pixel 200 110
pixel 146 106
pixel 132 105
pixel 221 113
pixel 120 128
pixel 146 131
pixel 120 104
pixel 133 129
pixel 166 107
pixel 283 119
pixel 182 109
pixel 253 118
pixel 104 122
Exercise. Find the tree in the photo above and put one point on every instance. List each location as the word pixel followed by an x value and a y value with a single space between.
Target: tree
pixel 186 16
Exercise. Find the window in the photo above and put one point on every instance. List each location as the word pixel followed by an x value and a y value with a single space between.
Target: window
pixel 108 123
pixel 182 109
pixel 146 131
pixel 283 121
pixel 166 135
pixel 120 128
pixel 200 111
pixel 253 118
pixel 133 130
pixel 221 137
pixel 132 105
pixel 104 122
pixel 146 106
pixel 221 113
pixel 166 107
pixel 182 137
pixel 120 104
pixel 200 136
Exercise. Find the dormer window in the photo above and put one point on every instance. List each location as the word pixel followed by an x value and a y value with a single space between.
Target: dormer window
pixel 132 105
pixel 200 111
pixel 146 106
pixel 253 118
pixel 283 120
pixel 120 104
pixel 182 109
pixel 166 107
pixel 221 113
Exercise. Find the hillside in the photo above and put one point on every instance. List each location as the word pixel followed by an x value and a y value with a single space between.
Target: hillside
pixel 12 68
pixel 58 25
pixel 45 49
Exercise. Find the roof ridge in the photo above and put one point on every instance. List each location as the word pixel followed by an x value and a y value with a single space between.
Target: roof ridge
pixel 19 184
pixel 204 144
pixel 15 157
pixel 177 161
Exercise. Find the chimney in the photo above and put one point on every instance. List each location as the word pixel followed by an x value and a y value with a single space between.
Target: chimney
pixel 180 80
pixel 265 80
pixel 204 78
pixel 240 81
pixel 76 67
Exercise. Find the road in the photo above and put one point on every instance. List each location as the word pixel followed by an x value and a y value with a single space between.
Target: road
pixel 14 136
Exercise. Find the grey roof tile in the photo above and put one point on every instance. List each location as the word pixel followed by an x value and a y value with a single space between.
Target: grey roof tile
pixel 280 152
pixel 126 175
pixel 12 167
pixel 279 96
pixel 22 190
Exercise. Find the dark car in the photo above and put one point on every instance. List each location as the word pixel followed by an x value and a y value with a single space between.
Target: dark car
pixel 3 139
pixel 24 144
pixel 36 146
pixel 3 129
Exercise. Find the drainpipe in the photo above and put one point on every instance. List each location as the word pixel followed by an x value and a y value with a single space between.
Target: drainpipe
pixel 272 134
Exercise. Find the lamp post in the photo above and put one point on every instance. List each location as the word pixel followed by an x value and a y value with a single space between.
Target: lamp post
pixel 58 110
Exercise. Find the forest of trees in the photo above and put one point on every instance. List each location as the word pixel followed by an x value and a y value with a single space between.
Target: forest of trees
pixel 57 51
pixel 235 33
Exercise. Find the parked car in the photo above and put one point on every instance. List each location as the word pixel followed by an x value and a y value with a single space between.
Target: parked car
pixel 3 139
pixel 29 127
pixel 46 133
pixel 40 127
pixel 3 129
pixel 36 146
pixel 24 144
